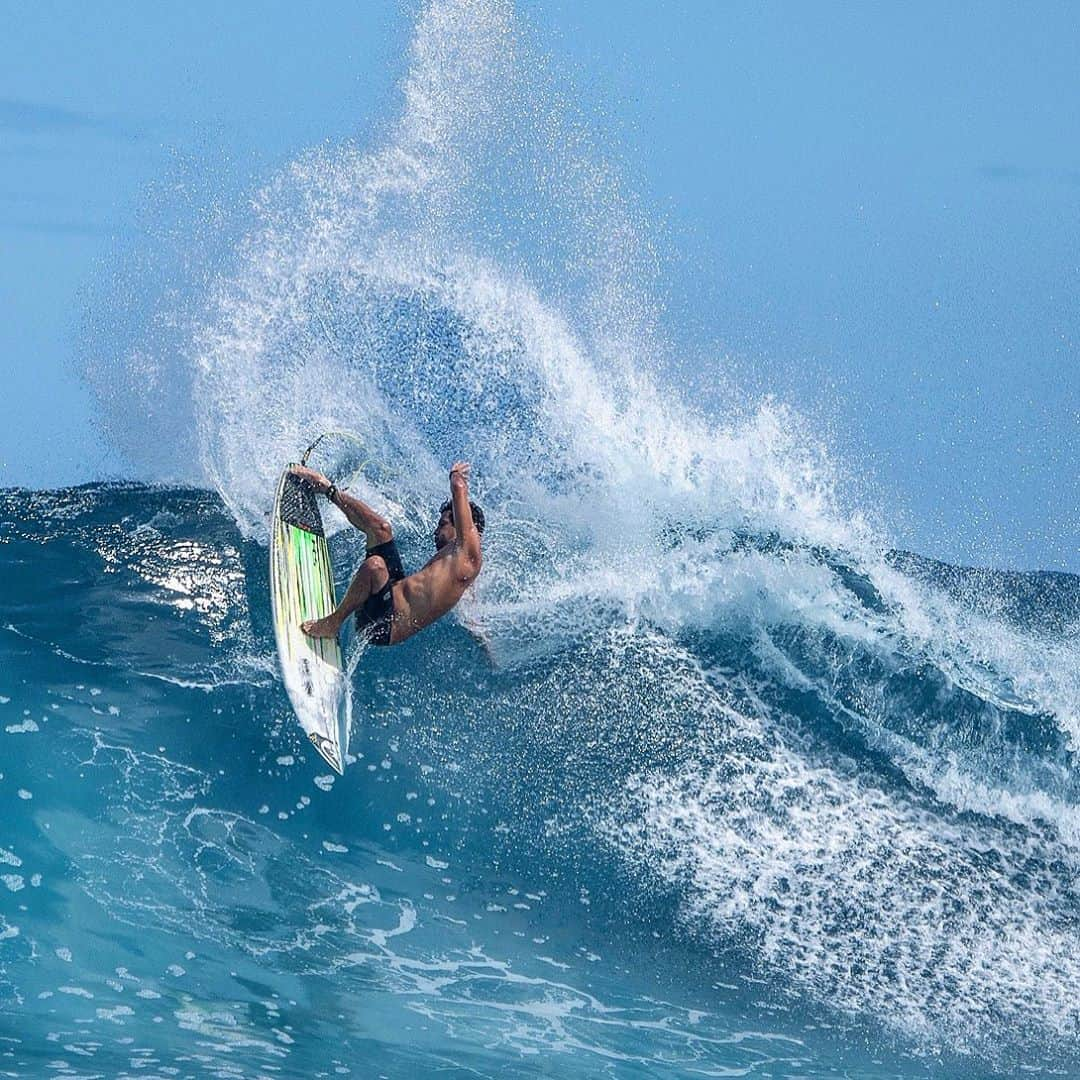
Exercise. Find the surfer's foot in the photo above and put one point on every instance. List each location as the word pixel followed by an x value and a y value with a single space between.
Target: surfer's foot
pixel 327 627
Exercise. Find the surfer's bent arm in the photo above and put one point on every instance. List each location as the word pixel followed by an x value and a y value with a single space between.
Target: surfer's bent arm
pixel 468 536
pixel 358 514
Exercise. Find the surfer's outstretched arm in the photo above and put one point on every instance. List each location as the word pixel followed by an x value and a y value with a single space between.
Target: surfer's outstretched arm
pixel 468 536
pixel 358 514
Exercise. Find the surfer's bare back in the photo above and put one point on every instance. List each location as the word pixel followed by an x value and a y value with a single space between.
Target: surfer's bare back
pixel 389 605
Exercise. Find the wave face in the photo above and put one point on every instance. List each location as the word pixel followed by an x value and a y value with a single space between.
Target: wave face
pixel 743 790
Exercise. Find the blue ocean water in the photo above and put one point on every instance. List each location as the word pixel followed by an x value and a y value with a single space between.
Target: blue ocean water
pixel 703 779
pixel 778 845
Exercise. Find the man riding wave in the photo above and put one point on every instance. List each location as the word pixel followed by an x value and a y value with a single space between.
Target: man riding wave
pixel 390 605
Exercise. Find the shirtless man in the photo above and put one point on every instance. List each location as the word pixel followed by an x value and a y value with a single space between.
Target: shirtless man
pixel 389 605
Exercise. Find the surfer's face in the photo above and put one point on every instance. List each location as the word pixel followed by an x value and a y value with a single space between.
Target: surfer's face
pixel 444 531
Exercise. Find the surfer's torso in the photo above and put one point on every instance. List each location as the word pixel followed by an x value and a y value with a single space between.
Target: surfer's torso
pixel 391 607
pixel 422 598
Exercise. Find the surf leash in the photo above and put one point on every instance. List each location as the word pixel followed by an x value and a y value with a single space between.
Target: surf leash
pixel 325 435
pixel 351 437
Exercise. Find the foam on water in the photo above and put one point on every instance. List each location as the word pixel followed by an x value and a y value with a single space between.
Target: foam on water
pixel 867 896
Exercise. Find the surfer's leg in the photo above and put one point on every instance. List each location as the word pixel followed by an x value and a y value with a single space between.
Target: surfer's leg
pixel 371 577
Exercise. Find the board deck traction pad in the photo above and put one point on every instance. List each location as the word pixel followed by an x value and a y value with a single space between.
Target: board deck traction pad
pixel 302 582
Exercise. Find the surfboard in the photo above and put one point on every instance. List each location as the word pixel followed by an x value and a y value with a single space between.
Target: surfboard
pixel 302 587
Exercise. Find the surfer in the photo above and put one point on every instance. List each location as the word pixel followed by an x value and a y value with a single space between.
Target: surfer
pixel 391 606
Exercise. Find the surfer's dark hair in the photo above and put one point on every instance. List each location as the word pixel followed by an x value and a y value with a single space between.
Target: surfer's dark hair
pixel 477 514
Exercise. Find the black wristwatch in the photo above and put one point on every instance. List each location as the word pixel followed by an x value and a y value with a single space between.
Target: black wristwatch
pixel 331 491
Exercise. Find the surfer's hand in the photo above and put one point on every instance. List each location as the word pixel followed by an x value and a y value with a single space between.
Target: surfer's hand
pixel 459 472
pixel 312 477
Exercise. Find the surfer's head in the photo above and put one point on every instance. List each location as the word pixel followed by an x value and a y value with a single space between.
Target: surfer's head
pixel 445 533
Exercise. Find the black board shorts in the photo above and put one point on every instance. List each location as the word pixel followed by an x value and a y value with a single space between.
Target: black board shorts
pixel 375 619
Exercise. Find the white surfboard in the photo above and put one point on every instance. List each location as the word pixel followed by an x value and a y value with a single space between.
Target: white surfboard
pixel 302 587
